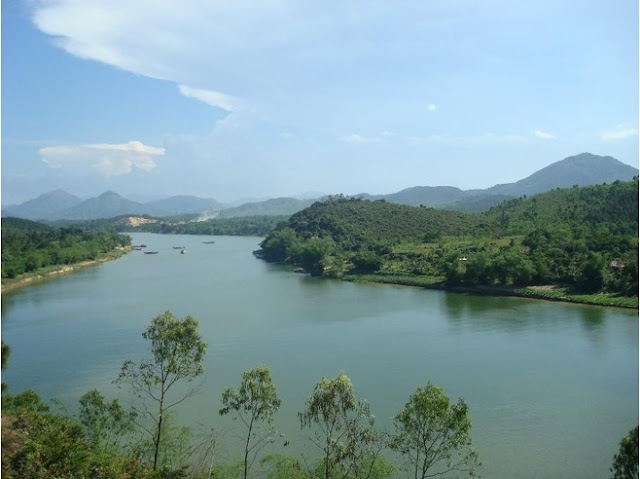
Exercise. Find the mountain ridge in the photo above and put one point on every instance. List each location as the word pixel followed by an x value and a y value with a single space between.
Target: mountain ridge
pixel 582 170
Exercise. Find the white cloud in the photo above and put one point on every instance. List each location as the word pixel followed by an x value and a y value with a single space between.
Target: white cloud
pixel 620 133
pixel 544 135
pixel 210 97
pixel 108 159
pixel 431 107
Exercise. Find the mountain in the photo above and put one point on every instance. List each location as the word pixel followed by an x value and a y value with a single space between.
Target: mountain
pixel 581 170
pixel 46 206
pixel 272 207
pixel 431 195
pixel 106 205
pixel 176 205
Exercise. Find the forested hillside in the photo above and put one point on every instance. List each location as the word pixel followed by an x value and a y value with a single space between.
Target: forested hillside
pixel 28 246
pixel 584 239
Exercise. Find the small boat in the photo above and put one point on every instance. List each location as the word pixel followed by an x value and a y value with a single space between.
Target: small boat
pixel 183 251
pixel 179 247
pixel 208 242
pixel 150 252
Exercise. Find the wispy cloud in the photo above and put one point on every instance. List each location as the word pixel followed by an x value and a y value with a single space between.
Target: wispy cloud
pixel 545 135
pixel 356 139
pixel 210 97
pixel 620 133
pixel 108 159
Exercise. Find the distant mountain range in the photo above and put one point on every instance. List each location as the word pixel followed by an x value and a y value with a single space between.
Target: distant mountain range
pixel 581 170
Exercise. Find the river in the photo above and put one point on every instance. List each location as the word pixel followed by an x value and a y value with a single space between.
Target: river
pixel 552 387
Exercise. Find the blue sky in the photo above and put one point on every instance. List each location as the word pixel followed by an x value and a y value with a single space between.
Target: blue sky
pixel 239 99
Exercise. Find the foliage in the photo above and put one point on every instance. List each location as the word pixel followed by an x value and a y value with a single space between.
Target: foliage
pixel 242 226
pixel 42 444
pixel 107 424
pixel 177 353
pixel 28 246
pixel 255 403
pixel 582 238
pixel 434 435
pixel 344 430
pixel 625 461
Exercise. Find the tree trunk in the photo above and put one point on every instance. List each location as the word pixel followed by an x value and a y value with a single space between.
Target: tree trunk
pixel 159 432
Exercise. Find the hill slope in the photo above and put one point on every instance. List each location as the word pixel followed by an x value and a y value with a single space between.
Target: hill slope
pixel 106 205
pixel 584 238
pixel 46 206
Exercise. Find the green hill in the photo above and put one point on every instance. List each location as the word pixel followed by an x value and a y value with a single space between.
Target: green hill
pixel 584 239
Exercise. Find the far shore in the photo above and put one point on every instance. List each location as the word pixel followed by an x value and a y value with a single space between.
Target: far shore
pixel 59 270
pixel 546 292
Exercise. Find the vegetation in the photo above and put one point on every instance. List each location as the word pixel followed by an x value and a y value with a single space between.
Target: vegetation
pixel 255 403
pixel 582 241
pixel 241 226
pixel 344 430
pixel 29 247
pixel 625 462
pixel 434 436
pixel 177 352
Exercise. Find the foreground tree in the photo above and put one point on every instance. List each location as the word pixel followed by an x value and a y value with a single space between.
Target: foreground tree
pixel 344 430
pixel 434 436
pixel 108 425
pixel 177 352
pixel 625 462
pixel 255 403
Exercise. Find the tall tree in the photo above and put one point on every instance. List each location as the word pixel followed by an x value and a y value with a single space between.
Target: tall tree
pixel 177 352
pixel 350 446
pixel 434 435
pixel 255 403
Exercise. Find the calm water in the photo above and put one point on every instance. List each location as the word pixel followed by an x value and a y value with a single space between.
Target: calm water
pixel 551 387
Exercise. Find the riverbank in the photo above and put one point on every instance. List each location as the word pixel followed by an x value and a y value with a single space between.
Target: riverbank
pixel 546 292
pixel 58 270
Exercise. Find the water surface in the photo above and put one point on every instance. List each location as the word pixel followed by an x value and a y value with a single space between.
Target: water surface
pixel 552 387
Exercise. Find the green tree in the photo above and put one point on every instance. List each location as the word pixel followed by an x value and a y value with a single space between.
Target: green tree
pixel 625 462
pixel 255 403
pixel 107 423
pixel 177 353
pixel 350 446
pixel 434 435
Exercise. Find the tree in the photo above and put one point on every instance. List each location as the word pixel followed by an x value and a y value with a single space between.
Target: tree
pixel 255 403
pixel 433 435
pixel 177 352
pixel 107 423
pixel 345 434
pixel 625 462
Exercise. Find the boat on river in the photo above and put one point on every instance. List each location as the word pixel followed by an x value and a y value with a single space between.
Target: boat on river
pixel 150 252
pixel 208 242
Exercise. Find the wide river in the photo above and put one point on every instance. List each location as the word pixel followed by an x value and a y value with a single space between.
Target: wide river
pixel 551 387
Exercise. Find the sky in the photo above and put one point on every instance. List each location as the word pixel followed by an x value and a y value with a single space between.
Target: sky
pixel 246 99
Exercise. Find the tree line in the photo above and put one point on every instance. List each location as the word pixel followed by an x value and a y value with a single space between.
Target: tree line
pixel 28 246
